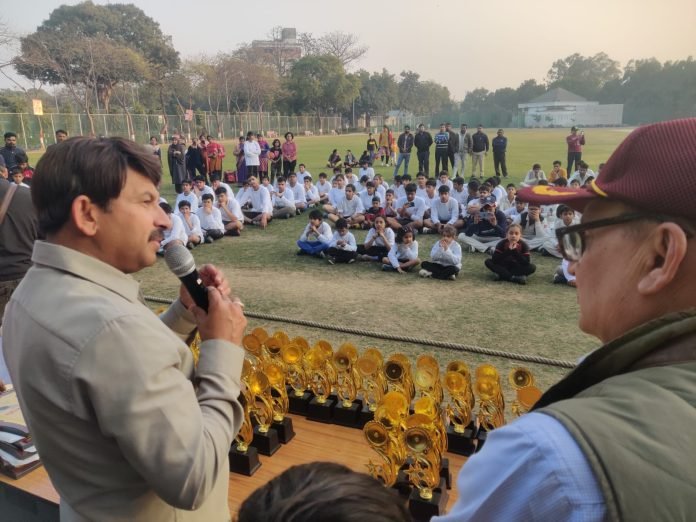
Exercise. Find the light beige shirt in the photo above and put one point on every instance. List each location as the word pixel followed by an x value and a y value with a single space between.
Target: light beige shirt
pixel 126 426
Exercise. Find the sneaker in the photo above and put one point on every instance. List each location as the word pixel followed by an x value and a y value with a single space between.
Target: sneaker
pixel 426 230
pixel 351 260
pixel 322 254
pixel 425 273
pixel 453 277
pixel 189 245
pixel 388 268
pixel 520 280
pixel 332 260
pixel 559 279
pixel 471 249
pixel 301 252
pixel 208 240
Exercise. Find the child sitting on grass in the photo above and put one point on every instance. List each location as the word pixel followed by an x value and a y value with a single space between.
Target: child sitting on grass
pixel 316 236
pixel 446 257
pixel 342 248
pixel 378 242
pixel 511 260
pixel 403 254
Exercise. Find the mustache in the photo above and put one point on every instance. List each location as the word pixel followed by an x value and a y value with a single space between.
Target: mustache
pixel 156 235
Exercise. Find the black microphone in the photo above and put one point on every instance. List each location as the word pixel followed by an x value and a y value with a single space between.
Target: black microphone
pixel 181 263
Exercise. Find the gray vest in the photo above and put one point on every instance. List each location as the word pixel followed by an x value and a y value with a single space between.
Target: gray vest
pixel 631 407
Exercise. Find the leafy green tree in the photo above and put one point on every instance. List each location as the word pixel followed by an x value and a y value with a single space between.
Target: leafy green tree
pixel 379 93
pixel 585 76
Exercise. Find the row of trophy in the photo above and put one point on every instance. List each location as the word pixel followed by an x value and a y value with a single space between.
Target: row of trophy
pixel 345 387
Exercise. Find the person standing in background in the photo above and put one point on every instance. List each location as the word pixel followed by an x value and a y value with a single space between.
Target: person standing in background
pixel 386 139
pixel 10 150
pixel 499 149
pixel 575 142
pixel 479 149
pixel 216 153
pixel 289 149
pixel 423 140
pixel 405 144
pixel 451 146
pixel 177 163
pixel 462 152
pixel 441 148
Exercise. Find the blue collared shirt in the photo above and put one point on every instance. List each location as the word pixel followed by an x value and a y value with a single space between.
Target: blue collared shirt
pixel 531 469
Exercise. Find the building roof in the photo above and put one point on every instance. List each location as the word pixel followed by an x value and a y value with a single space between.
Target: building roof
pixel 557 95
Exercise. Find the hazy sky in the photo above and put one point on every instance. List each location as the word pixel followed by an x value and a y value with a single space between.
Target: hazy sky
pixel 462 44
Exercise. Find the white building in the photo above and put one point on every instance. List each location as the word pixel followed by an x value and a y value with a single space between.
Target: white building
pixel 561 108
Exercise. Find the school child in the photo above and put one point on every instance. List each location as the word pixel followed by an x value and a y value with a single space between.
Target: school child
pixel 445 257
pixel 230 211
pixel 323 186
pixel 351 178
pixel 511 260
pixel 18 177
pixel 409 210
pixel 187 195
pixel 509 200
pixel 444 211
pixel 211 220
pixel 459 193
pixel 23 164
pixel 216 183
pixel 365 170
pixel 174 234
pixel 368 193
pixel 342 248
pixel 349 209
pixel 483 228
pixel 350 160
pixel 316 236
pixel 403 255
pixel 534 176
pixel 283 201
pixel 394 151
pixel 298 192
pixel 311 193
pixel 192 225
pixel 473 190
pixel 378 242
pixel 381 186
pixel 373 211
pixel 390 204
pixel 443 179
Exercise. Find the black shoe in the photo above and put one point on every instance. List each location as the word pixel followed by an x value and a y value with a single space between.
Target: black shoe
pixel 208 240
pixel 559 279
pixel 332 260
pixel 351 260
pixel 301 252
pixel 189 245
pixel 520 280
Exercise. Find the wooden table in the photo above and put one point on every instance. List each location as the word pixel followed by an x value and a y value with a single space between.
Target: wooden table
pixel 314 442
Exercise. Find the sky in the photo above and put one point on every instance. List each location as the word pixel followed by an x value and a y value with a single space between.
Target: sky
pixel 462 44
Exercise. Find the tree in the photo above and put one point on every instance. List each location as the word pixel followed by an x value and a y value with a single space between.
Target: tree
pixel 344 46
pixel 320 84
pixel 379 93
pixel 582 75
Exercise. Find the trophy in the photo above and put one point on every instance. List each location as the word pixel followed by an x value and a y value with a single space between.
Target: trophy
pixel 491 413
pixel 316 364
pixel 260 333
pixel 244 459
pixel 271 348
pixel 347 409
pixel 422 441
pixel 279 401
pixel 282 337
pixel 265 438
pixel 373 385
pixel 398 373
pixel 325 348
pixel 254 348
pixel 522 380
pixel 384 434
pixel 298 396
pixel 426 406
pixel 427 378
pixel 461 428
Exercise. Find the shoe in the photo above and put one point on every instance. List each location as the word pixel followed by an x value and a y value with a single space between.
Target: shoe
pixel 472 250
pixel 301 252
pixel 425 273
pixel 388 268
pixel 520 280
pixel 558 279
pixel 426 230
pixel 332 260
pixel 322 254
pixel 453 277
pixel 189 245
pixel 351 260
pixel 208 240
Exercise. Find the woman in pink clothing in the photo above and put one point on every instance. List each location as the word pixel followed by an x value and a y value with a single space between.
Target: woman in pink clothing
pixel 289 154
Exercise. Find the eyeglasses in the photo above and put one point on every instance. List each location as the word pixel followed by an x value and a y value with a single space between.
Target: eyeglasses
pixel 571 240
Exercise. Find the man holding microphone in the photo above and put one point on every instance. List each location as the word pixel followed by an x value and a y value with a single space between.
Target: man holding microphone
pixel 127 426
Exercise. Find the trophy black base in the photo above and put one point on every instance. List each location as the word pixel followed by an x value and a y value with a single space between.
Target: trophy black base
pixel 445 472
pixel 244 463
pixel 298 404
pixel 481 436
pixel 462 443
pixel 422 509
pixel 402 484
pixel 321 411
pixel 365 416
pixel 285 430
pixel 266 443
pixel 349 416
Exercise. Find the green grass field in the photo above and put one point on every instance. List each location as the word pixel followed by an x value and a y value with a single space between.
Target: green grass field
pixel 539 318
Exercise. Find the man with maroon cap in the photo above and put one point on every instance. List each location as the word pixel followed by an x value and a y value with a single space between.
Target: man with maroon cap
pixel 613 440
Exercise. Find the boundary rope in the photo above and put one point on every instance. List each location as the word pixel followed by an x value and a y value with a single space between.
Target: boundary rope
pixel 400 338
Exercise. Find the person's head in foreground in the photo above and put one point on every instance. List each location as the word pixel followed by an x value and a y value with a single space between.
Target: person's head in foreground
pixel 323 492
pixel 99 196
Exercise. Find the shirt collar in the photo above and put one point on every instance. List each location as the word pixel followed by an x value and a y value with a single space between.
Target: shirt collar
pixel 86 267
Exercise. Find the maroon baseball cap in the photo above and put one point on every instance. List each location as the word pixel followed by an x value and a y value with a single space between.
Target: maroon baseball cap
pixel 653 169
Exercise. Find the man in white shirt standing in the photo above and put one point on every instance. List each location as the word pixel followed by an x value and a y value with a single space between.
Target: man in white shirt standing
pixel 252 151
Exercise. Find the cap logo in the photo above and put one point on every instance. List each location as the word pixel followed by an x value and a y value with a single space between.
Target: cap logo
pixel 598 190
pixel 549 190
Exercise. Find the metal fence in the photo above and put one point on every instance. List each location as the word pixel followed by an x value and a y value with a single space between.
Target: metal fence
pixel 35 132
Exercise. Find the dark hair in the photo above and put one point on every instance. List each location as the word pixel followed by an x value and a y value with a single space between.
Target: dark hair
pixel 22 157
pixel 341 223
pixel 183 203
pixel 561 182
pixel 473 185
pixel 289 134
pixel 186 181
pixel 536 166
pixel 303 165
pixel 421 173
pixel 274 142
pixel 365 178
pixel 280 179
pixel 316 214
pixel 493 181
pixel 62 131
pixel 300 494
pixel 399 238
pixel 207 196
pixel 166 207
pixel 512 185
pixel 406 177
pixel 431 183
pixel 557 162
pixel 349 186
pixel 443 172
pixel 583 165
pixel 485 186
pixel 322 175
pixel 458 181
pixel 389 191
pixel 397 178
pixel 220 190
pixel 9 135
pixel 199 178
pixel 543 182
pixel 411 187
pixel 347 169
pixel 443 189
pixel 94 167
pixel 213 177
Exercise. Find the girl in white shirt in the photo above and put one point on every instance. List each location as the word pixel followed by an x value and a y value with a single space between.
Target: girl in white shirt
pixel 378 242
pixel 446 257
pixel 403 254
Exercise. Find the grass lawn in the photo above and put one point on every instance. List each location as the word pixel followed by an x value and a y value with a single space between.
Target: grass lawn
pixel 539 318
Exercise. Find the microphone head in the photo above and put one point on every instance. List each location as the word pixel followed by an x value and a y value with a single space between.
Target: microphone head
pixel 179 260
